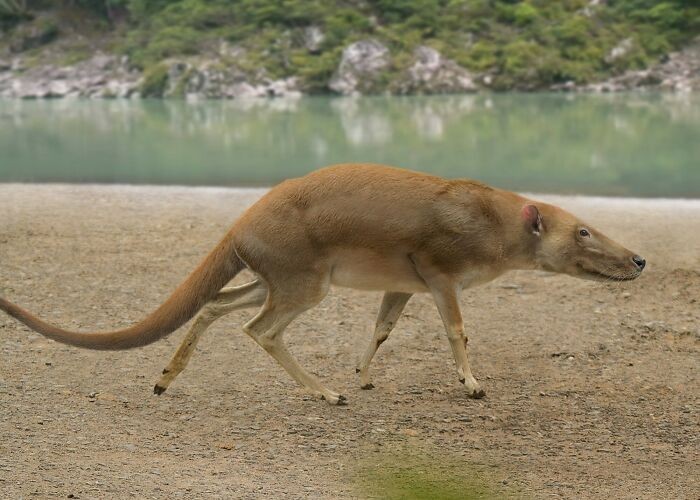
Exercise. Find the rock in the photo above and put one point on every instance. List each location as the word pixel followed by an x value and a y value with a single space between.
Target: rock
pixel 103 62
pixel 620 50
pixel 678 72
pixel 212 79
pixel 567 86
pixel 5 65
pixel 511 286
pixel 656 326
pixel 590 9
pixel 17 64
pixel 286 87
pixel 432 73
pixel 100 76
pixel 29 90
pixel 313 38
pixel 58 88
pixel 359 67
pixel 245 90
pixel 230 51
pixel 118 88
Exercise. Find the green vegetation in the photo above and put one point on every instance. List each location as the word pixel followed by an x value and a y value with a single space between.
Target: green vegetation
pixel 154 81
pixel 414 476
pixel 522 44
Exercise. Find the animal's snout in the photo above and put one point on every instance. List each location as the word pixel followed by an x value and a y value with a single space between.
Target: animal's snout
pixel 639 262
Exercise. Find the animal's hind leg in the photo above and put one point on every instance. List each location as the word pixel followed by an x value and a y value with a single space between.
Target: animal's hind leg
pixel 267 329
pixel 393 304
pixel 229 299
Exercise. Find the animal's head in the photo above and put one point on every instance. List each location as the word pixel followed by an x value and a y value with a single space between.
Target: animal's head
pixel 564 244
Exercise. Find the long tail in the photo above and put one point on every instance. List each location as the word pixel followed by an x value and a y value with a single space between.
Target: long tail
pixel 217 269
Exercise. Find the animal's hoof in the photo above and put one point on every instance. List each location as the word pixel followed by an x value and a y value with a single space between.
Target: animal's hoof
pixel 342 400
pixel 477 394
pixel 367 386
pixel 158 389
pixel 357 370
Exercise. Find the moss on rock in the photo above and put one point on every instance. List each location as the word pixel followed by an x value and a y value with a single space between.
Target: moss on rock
pixel 155 81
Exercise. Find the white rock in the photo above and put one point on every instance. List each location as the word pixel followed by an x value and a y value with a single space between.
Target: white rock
pixel 245 89
pixel 360 64
pixel 313 38
pixel 58 88
pixel 229 50
pixel 620 50
pixel 432 73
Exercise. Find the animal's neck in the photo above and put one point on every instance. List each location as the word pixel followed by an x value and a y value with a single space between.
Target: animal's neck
pixel 519 245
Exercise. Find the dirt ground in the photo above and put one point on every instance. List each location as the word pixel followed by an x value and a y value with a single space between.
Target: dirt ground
pixel 592 389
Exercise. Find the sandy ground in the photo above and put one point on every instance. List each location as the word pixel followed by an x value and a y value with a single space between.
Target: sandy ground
pixel 592 389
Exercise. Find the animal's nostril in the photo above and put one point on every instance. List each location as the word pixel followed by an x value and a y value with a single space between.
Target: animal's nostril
pixel 639 261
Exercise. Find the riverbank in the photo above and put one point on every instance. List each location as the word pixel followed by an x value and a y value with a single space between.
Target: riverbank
pixel 112 76
pixel 591 388
pixel 200 50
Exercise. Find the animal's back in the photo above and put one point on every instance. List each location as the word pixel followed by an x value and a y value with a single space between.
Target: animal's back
pixel 354 204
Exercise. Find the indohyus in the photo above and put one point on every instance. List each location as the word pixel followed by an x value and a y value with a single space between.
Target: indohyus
pixel 368 227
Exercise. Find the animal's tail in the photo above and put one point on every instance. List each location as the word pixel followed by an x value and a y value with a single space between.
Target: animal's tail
pixel 220 266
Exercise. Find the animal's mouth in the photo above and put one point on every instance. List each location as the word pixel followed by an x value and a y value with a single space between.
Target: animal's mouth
pixel 599 276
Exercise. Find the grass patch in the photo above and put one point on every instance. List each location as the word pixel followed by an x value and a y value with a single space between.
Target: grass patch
pixel 75 55
pixel 410 475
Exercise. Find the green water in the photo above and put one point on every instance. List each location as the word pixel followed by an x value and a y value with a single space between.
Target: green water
pixel 628 145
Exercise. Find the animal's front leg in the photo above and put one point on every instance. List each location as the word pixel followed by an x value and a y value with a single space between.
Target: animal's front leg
pixel 444 290
pixel 448 305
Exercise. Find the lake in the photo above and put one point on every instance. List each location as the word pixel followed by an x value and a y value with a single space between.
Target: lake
pixel 645 145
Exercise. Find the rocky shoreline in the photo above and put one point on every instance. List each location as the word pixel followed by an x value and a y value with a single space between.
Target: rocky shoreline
pixel 364 68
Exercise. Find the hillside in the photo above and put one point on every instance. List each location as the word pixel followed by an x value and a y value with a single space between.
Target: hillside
pixel 219 48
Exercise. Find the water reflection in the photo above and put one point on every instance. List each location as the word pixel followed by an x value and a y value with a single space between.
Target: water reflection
pixel 362 125
pixel 604 144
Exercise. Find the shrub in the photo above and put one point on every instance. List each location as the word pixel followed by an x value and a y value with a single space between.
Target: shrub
pixel 316 70
pixel 170 41
pixel 155 80
pixel 13 11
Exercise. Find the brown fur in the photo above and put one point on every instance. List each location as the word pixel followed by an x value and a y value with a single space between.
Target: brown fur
pixel 371 227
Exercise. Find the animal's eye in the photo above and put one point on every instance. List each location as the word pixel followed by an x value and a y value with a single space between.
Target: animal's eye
pixel 584 233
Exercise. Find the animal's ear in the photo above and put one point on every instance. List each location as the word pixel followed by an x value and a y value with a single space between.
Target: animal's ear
pixel 533 219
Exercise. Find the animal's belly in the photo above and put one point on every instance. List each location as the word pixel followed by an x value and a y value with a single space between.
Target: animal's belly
pixel 367 270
